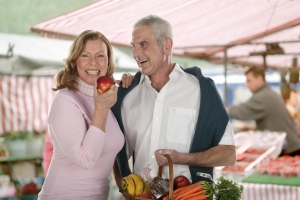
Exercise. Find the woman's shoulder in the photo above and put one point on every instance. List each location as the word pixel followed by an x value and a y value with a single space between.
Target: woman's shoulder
pixel 65 93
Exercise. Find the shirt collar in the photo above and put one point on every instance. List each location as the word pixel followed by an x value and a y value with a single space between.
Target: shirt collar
pixel 85 88
pixel 177 68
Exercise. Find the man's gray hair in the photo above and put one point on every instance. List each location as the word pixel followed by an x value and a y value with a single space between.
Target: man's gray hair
pixel 161 28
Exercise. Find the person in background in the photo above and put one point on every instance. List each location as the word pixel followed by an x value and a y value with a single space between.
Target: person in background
pixel 85 134
pixel 292 103
pixel 267 108
pixel 170 110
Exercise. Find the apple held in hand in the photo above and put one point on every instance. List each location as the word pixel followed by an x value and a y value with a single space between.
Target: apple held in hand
pixel 104 83
pixel 181 181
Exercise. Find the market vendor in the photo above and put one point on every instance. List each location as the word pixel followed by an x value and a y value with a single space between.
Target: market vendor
pixel 170 110
pixel 268 109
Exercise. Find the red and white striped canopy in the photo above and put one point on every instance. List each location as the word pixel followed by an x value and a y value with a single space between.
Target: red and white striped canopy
pixel 24 103
pixel 195 23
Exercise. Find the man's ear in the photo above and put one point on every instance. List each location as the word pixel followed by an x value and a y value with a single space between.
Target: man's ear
pixel 167 45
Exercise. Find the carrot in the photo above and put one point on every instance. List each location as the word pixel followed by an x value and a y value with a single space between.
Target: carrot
pixel 187 192
pixel 179 190
pixel 194 195
pixel 202 197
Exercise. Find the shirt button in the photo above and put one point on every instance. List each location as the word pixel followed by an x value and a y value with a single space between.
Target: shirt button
pixel 154 138
pixel 156 119
pixel 152 156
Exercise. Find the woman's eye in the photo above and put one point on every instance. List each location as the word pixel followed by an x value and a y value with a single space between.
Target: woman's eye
pixel 84 55
pixel 100 55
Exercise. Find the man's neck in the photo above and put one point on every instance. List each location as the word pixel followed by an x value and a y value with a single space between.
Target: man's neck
pixel 260 86
pixel 160 79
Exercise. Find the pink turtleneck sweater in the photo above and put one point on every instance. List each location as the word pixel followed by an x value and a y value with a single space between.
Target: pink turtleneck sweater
pixel 83 155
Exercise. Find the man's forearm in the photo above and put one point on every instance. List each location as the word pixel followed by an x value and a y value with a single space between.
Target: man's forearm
pixel 221 155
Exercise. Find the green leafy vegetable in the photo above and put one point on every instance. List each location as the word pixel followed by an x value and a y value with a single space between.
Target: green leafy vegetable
pixel 224 189
pixel 228 190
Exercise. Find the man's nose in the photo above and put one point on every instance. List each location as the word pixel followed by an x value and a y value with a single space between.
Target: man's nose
pixel 136 52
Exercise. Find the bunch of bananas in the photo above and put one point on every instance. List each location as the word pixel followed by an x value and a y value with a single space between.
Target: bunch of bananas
pixel 134 184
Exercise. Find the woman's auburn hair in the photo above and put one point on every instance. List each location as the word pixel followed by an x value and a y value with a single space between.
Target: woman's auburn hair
pixel 67 77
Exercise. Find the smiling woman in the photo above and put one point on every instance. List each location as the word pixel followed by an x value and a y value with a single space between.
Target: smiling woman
pixel 83 130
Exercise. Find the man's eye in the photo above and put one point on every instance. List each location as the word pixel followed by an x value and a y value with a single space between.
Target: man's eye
pixel 143 45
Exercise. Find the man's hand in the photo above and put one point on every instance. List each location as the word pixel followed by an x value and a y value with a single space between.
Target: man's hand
pixel 162 160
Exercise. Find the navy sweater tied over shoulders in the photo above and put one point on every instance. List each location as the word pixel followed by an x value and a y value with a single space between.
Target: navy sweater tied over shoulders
pixel 211 124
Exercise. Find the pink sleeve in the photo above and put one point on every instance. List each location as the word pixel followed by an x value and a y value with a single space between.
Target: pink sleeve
pixel 81 143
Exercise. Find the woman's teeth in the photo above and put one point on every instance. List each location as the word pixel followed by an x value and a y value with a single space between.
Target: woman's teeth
pixel 92 72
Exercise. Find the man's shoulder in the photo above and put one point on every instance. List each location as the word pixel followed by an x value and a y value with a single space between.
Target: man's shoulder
pixel 195 70
pixel 266 90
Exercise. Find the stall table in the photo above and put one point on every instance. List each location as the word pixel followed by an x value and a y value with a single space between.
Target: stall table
pixel 265 187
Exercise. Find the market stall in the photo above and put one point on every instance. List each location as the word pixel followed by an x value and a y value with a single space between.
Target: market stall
pixel 263 187
pixel 259 168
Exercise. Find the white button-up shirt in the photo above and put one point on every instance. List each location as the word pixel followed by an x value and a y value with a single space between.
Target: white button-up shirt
pixel 163 120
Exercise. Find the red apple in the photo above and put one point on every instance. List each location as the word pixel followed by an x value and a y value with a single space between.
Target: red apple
pixel 104 83
pixel 181 181
pixel 145 195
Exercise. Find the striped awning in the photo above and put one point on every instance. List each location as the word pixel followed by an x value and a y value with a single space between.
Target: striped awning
pixel 24 103
pixel 200 27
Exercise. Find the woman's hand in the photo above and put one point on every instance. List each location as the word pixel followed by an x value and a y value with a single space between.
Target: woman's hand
pixel 126 80
pixel 105 100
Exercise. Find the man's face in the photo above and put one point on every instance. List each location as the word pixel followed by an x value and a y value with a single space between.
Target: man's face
pixel 252 82
pixel 148 55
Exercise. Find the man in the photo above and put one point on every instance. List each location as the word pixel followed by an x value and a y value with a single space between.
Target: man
pixel 168 110
pixel 267 108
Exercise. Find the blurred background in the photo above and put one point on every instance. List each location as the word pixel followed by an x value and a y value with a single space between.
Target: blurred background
pixel 223 38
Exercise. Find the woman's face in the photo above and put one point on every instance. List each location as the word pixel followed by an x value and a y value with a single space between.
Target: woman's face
pixel 93 61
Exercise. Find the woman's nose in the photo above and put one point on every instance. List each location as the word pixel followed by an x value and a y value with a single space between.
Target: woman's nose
pixel 93 60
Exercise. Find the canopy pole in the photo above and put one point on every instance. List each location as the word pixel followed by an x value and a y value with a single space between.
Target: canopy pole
pixel 225 78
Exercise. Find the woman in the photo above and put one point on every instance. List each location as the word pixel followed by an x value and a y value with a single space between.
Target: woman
pixel 84 132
